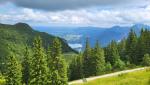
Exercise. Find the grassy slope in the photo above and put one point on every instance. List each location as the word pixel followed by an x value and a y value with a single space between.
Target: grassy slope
pixel 134 78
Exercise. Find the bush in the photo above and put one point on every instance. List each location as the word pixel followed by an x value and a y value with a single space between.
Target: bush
pixel 119 64
pixel 146 60
pixel 108 67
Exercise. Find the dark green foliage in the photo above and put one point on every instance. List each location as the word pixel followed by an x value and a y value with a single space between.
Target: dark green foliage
pixel 108 67
pixel 26 66
pixel 122 50
pixel 57 65
pixel 143 44
pixel 87 64
pixel 98 60
pixel 112 54
pixel 119 64
pixel 38 68
pixel 76 68
pixel 20 35
pixel 146 60
pixel 13 72
pixel 131 47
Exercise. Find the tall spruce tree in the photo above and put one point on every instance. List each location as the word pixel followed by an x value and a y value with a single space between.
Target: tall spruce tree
pixel 26 66
pixel 98 59
pixel 112 53
pixel 13 72
pixel 143 44
pixel 38 69
pixel 131 47
pixel 76 68
pixel 122 50
pixel 87 65
pixel 57 65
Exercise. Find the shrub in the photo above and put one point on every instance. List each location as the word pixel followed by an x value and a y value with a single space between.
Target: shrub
pixel 146 60
pixel 108 67
pixel 119 64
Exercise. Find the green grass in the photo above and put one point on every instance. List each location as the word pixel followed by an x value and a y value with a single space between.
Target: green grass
pixel 2 80
pixel 134 78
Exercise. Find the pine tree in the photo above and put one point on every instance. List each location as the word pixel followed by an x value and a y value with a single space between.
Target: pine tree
pixel 13 73
pixel 87 65
pixel 143 44
pixel 122 50
pixel 38 69
pixel 112 53
pixel 76 68
pixel 98 59
pixel 57 65
pixel 26 66
pixel 131 47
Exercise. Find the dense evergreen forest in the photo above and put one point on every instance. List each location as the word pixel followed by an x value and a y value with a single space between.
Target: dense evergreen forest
pixel 130 52
pixel 41 66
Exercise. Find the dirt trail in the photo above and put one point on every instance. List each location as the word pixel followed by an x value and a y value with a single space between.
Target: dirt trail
pixel 106 75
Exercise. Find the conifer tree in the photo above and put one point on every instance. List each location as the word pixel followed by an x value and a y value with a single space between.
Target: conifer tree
pixel 113 56
pixel 112 53
pixel 38 69
pixel 87 65
pixel 26 66
pixel 122 50
pixel 98 59
pixel 131 47
pixel 143 44
pixel 57 65
pixel 76 68
pixel 13 72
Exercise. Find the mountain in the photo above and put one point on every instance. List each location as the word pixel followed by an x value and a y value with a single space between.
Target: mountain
pixel 19 35
pixel 76 36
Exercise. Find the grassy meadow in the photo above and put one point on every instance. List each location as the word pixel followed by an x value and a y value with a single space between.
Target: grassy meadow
pixel 134 78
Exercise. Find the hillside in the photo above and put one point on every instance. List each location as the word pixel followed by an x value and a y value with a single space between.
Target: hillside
pixel 19 35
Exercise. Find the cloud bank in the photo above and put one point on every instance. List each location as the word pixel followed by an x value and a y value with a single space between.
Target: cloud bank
pixel 81 17
pixel 75 12
pixel 57 5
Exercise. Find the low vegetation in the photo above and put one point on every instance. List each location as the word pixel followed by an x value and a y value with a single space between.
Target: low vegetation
pixel 134 78
pixel 2 80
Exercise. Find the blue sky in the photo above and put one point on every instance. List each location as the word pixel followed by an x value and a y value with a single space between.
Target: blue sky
pixel 101 13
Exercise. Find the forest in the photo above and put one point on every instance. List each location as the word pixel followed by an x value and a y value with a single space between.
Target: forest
pixel 40 66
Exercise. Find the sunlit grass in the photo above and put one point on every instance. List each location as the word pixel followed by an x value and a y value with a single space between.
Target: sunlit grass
pixel 134 78
pixel 2 81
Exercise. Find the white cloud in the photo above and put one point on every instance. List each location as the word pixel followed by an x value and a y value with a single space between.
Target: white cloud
pixel 85 17
pixel 56 5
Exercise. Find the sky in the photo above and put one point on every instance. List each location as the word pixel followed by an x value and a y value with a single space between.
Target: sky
pixel 100 13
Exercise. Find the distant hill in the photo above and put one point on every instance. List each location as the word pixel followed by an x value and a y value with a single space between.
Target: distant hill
pixel 77 35
pixel 19 35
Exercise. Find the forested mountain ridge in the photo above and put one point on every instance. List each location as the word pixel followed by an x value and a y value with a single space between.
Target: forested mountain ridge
pixel 19 35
